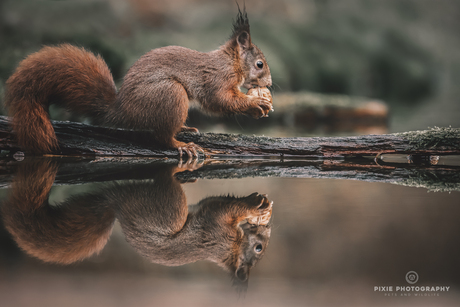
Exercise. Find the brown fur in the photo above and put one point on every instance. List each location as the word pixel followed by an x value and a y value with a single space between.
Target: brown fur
pixel 70 232
pixel 63 75
pixel 155 94
pixel 154 217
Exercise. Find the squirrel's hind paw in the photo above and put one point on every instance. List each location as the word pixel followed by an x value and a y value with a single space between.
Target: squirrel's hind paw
pixel 189 129
pixel 191 149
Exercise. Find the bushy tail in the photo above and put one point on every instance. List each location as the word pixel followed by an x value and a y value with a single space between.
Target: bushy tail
pixel 64 75
pixel 72 231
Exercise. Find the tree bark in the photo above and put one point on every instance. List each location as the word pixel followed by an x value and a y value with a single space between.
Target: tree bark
pixel 104 169
pixel 76 139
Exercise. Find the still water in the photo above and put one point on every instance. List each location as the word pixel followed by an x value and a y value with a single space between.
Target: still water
pixel 156 234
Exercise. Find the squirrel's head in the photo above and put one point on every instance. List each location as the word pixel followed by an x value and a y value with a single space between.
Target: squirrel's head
pixel 252 249
pixel 252 60
pixel 252 242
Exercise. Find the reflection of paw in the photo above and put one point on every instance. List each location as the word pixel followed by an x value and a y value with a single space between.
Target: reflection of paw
pixel 190 165
pixel 263 210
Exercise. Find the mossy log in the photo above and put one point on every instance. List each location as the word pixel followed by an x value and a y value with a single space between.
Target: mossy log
pixel 104 169
pixel 76 139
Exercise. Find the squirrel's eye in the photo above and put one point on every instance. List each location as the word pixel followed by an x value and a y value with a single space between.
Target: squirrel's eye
pixel 258 248
pixel 260 64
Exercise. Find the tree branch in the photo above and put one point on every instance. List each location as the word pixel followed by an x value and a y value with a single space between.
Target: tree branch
pixel 76 139
pixel 78 171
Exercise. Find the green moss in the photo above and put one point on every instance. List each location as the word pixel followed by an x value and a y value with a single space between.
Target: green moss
pixel 433 182
pixel 434 137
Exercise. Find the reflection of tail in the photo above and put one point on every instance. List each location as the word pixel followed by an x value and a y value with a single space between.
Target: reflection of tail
pixel 68 232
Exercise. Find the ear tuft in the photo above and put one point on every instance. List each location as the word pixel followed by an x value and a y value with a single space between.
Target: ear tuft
pixel 244 40
pixel 241 24
pixel 242 273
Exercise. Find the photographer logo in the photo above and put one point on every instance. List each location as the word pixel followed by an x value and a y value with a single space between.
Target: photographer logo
pixel 411 277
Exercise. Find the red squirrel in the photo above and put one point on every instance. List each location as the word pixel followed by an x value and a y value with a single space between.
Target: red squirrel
pixel 155 93
pixel 233 232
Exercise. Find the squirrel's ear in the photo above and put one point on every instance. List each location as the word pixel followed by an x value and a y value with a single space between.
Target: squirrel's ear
pixel 240 280
pixel 242 273
pixel 244 40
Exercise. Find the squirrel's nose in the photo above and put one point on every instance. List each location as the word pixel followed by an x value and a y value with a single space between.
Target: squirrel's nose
pixel 268 81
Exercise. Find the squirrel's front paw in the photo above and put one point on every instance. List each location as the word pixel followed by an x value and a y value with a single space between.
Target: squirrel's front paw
pixel 259 107
pixel 262 211
pixel 262 100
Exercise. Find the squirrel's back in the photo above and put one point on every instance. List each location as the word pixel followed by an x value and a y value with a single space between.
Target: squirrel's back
pixel 64 75
pixel 155 94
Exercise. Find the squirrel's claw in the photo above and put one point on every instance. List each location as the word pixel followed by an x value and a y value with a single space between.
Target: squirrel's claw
pixel 201 150
pixel 262 211
pixel 190 165
pixel 260 108
pixel 192 151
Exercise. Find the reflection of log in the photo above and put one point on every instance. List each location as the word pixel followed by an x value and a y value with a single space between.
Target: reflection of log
pixel 436 178
pixel 83 140
pixel 446 178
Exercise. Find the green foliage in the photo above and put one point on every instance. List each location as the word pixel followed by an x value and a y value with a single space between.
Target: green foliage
pixel 326 58
pixel 337 50
pixel 402 70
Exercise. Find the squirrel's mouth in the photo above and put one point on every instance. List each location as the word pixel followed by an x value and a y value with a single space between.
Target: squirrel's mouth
pixel 250 85
pixel 266 82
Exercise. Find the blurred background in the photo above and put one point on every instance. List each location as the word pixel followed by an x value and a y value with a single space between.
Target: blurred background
pixel 403 52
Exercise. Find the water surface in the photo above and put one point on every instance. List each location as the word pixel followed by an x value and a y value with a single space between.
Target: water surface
pixel 331 241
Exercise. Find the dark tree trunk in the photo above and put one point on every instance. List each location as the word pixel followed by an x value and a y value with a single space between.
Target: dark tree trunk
pixel 76 139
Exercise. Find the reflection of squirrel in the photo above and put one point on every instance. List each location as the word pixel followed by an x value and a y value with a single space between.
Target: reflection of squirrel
pixel 72 231
pixel 231 231
pixel 154 96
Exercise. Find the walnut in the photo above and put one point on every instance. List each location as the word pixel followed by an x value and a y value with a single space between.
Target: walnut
pixel 261 92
